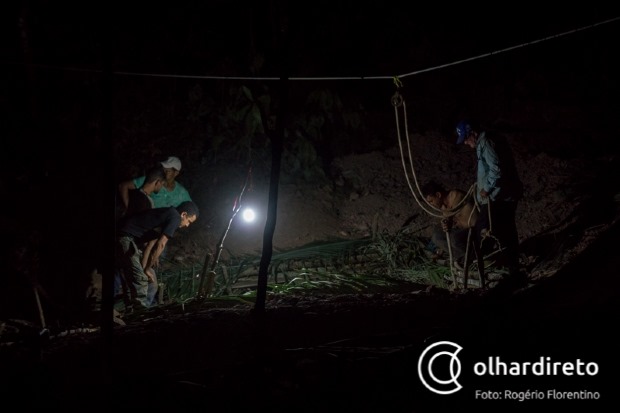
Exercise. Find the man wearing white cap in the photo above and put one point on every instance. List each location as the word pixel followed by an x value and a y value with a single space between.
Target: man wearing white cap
pixel 171 194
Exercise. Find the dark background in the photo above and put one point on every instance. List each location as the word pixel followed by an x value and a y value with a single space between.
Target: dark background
pixel 84 106
pixel 93 93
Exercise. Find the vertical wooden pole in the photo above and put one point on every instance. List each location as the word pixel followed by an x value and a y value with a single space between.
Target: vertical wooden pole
pixel 277 141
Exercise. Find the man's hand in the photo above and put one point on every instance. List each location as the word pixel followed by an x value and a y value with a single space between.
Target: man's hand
pixel 484 194
pixel 446 224
pixel 150 274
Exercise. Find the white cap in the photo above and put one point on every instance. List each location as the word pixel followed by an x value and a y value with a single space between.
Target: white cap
pixel 172 162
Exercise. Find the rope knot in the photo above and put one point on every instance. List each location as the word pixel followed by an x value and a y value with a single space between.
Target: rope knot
pixel 397 99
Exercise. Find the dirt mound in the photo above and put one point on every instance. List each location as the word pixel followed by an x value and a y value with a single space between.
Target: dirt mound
pixel 564 207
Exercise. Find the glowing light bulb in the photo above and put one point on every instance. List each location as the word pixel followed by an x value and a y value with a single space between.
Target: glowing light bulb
pixel 248 215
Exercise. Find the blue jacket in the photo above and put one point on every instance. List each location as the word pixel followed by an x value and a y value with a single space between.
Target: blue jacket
pixel 497 173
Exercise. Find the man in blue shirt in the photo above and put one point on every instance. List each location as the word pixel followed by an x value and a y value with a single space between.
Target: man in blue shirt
pixel 499 190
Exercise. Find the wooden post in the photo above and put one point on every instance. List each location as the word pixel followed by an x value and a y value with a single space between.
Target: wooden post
pixel 276 156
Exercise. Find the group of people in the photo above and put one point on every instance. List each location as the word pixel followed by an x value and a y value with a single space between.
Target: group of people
pixel 489 213
pixel 154 207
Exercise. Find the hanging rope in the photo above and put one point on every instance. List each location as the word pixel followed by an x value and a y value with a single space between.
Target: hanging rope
pixel 488 234
pixel 399 103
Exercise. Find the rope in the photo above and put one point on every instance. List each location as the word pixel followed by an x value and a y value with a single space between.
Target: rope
pixel 489 233
pixel 397 102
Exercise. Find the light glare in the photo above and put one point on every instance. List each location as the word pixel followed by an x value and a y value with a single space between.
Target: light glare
pixel 248 215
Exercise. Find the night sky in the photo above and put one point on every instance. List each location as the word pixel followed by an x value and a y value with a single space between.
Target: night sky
pixel 322 38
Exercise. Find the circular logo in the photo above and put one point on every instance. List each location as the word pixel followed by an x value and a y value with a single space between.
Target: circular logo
pixel 439 367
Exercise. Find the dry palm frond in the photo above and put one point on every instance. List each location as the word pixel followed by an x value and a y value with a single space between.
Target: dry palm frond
pixel 383 262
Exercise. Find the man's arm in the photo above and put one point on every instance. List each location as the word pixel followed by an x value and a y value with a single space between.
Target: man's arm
pixel 489 154
pixel 462 214
pixel 123 190
pixel 152 261
pixel 145 255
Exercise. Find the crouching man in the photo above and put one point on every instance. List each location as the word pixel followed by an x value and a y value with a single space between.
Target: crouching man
pixel 141 238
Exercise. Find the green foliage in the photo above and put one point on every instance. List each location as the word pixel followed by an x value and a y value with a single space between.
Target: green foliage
pixel 300 161
pixel 385 262
pixel 331 124
pixel 199 105
pixel 397 252
pixel 332 283
pixel 231 126
pixel 324 127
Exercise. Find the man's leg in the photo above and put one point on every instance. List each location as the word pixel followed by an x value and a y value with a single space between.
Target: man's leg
pixel 505 229
pixel 459 244
pixel 482 227
pixel 507 233
pixel 121 291
pixel 438 238
pixel 137 281
pixel 151 293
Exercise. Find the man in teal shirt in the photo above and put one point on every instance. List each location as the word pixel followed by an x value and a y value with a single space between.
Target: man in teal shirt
pixel 171 194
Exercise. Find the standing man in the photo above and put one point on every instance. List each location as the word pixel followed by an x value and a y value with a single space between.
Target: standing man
pixel 140 199
pixel 171 194
pixel 498 192
pixel 148 231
